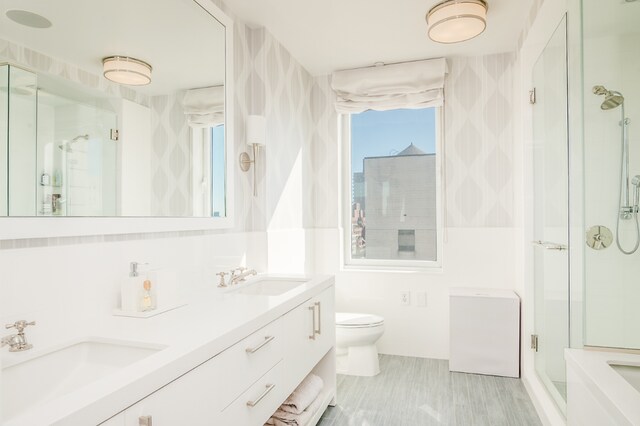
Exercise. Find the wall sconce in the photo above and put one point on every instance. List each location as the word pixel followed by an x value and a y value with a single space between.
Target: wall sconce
pixel 256 129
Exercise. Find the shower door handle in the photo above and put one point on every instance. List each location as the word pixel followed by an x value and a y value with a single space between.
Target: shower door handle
pixel 549 245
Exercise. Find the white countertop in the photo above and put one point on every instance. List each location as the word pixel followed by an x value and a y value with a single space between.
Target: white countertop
pixel 612 390
pixel 192 334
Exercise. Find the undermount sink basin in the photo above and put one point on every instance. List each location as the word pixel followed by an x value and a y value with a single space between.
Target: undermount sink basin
pixel 270 286
pixel 42 377
pixel 631 373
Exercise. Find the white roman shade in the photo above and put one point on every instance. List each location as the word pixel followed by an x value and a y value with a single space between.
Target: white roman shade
pixel 409 85
pixel 204 107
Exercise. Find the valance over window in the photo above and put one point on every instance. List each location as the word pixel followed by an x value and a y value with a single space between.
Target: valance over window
pixel 409 85
pixel 204 107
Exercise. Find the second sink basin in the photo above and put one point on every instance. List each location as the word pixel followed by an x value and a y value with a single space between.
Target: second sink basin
pixel 43 377
pixel 270 286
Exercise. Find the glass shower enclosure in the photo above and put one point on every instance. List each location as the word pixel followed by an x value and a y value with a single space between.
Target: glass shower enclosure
pixel 611 97
pixel 551 214
pixel 57 154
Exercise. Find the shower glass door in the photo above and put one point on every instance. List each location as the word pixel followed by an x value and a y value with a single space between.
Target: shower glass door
pixel 551 214
pixel 76 158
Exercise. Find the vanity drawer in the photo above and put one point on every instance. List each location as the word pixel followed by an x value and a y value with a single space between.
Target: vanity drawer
pixel 259 402
pixel 199 396
pixel 248 360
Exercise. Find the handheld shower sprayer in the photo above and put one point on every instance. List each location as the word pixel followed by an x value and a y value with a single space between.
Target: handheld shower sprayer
pixel 627 209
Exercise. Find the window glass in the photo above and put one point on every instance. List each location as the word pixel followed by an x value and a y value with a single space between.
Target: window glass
pixel 218 173
pixel 394 185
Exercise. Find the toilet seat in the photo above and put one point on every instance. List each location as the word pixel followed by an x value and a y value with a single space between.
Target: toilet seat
pixel 355 320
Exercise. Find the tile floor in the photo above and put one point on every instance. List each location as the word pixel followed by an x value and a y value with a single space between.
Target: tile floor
pixel 422 392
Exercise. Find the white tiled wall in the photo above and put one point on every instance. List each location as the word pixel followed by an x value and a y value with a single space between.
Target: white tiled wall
pixel 68 284
pixel 612 317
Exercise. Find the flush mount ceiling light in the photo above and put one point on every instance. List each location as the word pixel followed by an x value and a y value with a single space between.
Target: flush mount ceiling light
pixel 453 21
pixel 126 70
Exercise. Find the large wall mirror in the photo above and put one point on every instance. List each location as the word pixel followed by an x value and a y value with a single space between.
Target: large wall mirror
pixel 114 109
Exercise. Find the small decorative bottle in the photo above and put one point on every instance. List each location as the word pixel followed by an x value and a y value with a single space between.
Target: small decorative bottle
pixel 147 303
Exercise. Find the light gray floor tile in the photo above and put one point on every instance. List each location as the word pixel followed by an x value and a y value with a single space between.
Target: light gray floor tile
pixel 417 391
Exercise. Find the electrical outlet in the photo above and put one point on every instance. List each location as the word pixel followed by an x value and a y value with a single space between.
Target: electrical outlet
pixel 405 298
pixel 421 299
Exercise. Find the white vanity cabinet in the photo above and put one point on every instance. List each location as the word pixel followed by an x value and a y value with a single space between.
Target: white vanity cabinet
pixel 244 384
pixel 198 397
pixel 310 333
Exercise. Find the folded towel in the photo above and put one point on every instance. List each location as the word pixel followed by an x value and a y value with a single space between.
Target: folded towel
pixel 304 395
pixel 284 418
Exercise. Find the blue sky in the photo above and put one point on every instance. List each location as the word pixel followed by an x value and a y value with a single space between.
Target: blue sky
pixel 377 134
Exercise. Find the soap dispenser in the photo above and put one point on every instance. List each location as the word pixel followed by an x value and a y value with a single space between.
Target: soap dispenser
pixel 131 289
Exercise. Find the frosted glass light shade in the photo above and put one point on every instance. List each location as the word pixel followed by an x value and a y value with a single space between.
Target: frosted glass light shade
pixel 125 70
pixel 256 130
pixel 454 21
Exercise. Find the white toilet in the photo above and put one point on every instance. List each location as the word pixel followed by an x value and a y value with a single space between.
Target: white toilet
pixel 356 337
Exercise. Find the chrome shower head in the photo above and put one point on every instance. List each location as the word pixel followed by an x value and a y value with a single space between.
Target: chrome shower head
pixel 66 146
pixel 599 90
pixel 612 99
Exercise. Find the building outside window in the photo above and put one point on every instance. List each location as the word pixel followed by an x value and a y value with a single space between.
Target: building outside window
pixel 394 188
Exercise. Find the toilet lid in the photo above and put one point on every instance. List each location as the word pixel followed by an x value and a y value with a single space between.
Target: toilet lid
pixel 357 320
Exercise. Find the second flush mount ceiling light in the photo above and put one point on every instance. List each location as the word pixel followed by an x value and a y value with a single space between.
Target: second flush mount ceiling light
pixel 453 21
pixel 126 70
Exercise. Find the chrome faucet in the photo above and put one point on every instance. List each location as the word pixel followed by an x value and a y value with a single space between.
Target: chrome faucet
pixel 17 342
pixel 240 274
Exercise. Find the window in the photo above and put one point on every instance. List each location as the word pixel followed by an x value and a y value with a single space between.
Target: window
pixel 394 187
pixel 208 186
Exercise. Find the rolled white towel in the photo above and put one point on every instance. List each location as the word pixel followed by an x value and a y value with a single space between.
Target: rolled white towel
pixel 284 418
pixel 304 395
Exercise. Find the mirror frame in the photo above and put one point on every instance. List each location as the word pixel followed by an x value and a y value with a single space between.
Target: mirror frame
pixel 45 227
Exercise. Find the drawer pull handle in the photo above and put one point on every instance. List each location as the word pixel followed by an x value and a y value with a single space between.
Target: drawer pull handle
pixel 266 340
pixel 313 325
pixel 266 391
pixel 319 330
pixel 145 421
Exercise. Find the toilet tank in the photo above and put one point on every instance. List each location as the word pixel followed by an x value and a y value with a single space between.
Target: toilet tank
pixel 484 331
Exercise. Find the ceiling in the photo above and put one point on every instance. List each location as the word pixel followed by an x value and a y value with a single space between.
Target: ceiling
pixel 183 43
pixel 328 35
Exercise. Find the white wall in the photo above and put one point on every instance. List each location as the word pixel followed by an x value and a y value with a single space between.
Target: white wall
pixel 75 280
pixel 22 148
pixel 472 257
pixel 481 243
pixel 68 284
pixel 134 145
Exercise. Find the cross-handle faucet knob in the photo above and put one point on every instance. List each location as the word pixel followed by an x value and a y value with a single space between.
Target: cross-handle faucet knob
pixel 221 275
pixel 20 325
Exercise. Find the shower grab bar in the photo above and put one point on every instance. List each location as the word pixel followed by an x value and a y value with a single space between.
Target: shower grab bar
pixel 549 245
